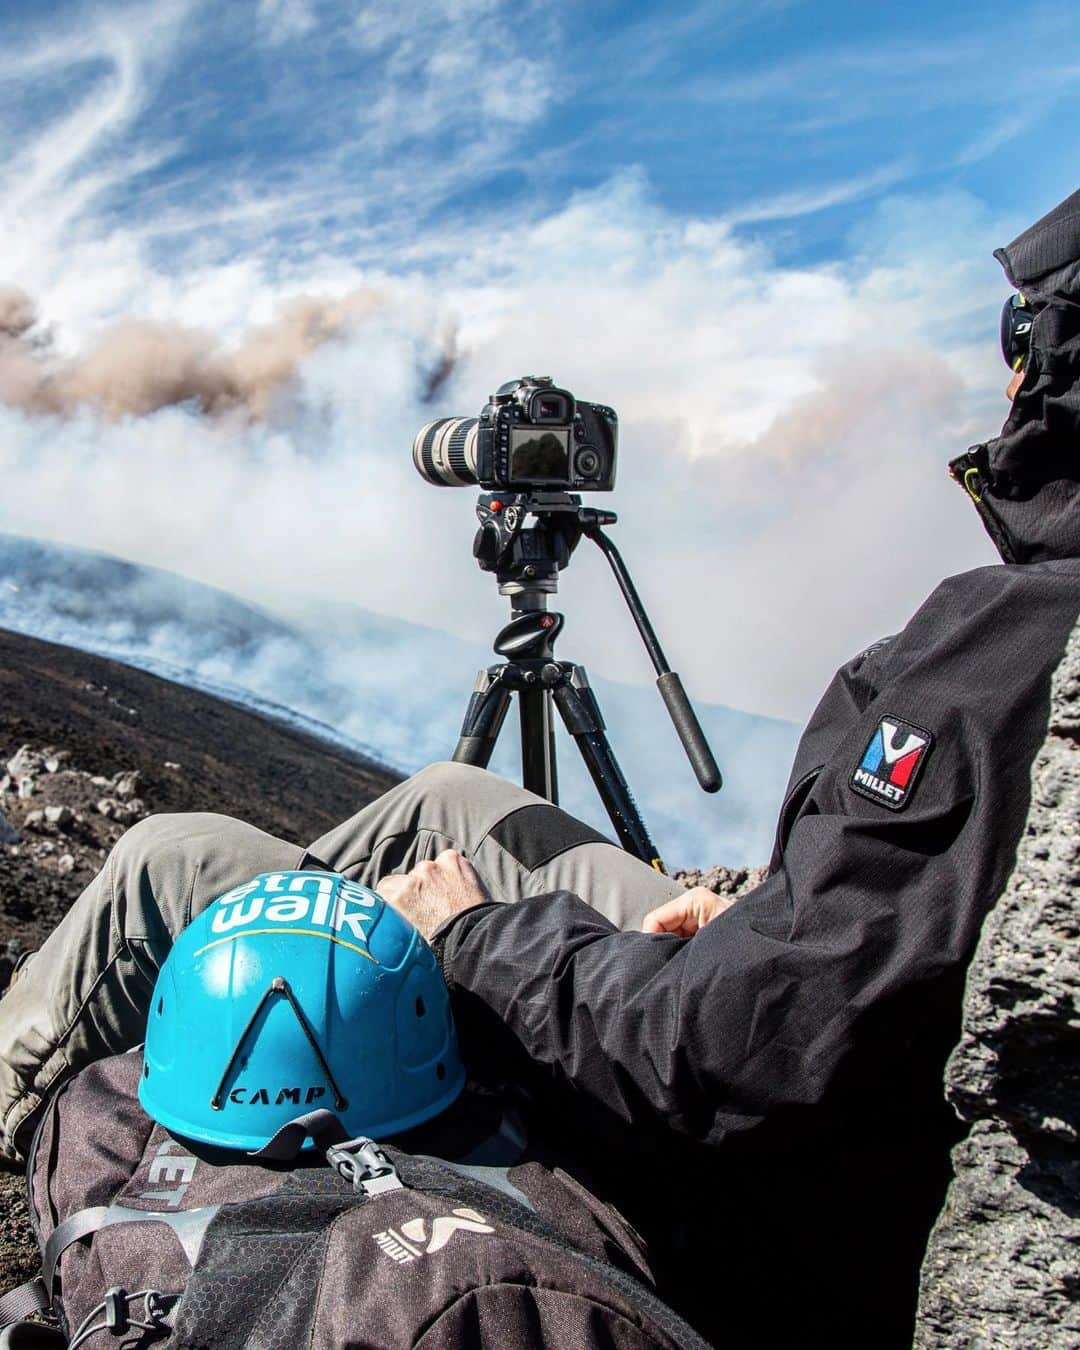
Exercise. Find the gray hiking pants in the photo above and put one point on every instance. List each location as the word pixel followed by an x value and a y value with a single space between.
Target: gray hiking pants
pixel 86 992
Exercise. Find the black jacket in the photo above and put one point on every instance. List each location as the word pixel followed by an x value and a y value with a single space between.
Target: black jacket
pixel 787 1060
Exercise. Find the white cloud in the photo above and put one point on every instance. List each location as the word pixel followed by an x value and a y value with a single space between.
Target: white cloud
pixel 59 168
pixel 283 20
pixel 784 432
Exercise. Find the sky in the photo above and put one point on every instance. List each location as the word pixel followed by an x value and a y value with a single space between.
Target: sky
pixel 247 250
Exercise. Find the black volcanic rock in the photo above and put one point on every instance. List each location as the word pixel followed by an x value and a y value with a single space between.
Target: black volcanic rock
pixel 1003 1263
pixel 732 881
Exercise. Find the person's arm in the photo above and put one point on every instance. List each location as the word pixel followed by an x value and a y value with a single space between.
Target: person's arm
pixel 710 1034
pixel 867 904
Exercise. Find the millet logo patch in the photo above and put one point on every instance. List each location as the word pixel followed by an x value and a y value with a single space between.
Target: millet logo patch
pixel 892 762
pixel 412 1240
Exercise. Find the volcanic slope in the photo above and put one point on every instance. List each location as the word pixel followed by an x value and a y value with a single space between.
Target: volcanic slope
pixel 98 723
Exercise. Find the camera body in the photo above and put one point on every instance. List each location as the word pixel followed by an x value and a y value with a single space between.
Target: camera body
pixel 530 436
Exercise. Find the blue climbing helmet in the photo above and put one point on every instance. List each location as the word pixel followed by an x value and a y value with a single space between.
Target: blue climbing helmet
pixel 295 992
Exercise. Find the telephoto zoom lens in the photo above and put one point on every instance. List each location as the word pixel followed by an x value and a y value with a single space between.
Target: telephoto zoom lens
pixel 444 452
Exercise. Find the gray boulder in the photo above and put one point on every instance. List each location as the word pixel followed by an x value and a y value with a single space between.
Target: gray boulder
pixel 26 760
pixel 1003 1264
pixel 125 784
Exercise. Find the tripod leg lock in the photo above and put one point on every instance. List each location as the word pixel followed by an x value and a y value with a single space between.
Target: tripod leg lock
pixel 579 708
pixel 483 720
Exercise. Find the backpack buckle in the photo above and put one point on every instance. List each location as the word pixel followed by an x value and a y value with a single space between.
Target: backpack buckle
pixel 365 1166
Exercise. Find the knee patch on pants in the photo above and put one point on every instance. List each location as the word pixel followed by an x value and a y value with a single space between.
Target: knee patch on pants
pixel 536 834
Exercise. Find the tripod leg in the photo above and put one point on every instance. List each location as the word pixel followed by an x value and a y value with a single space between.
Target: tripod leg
pixel 584 721
pixel 483 719
pixel 538 773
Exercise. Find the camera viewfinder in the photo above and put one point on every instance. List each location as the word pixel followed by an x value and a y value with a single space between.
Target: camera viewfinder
pixel 550 408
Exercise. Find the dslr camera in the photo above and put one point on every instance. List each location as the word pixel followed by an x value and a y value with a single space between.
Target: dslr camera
pixel 530 436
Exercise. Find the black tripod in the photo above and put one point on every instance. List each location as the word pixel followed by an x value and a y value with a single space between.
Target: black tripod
pixel 527 560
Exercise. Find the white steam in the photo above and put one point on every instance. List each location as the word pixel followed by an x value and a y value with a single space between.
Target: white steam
pixel 138 366
pixel 784 432
pixel 393 689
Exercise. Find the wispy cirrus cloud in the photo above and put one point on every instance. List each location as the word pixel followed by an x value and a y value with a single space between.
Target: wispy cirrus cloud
pixel 452 64
pixel 285 20
pixel 854 78
pixel 821 197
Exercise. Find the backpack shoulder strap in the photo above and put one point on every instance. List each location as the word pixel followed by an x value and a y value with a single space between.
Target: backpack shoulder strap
pixel 31 1297
pixel 189 1225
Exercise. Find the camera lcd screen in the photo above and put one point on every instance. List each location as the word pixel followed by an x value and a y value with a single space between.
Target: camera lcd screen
pixel 542 456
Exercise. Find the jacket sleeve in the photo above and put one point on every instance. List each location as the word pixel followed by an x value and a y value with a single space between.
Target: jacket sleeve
pixel 757 1010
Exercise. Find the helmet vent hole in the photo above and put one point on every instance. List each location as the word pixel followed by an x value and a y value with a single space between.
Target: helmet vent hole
pixel 420 1009
pixel 440 1071
pixel 146 1070
pixel 160 1006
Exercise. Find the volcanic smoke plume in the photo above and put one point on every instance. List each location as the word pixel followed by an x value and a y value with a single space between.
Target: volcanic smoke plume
pixel 137 365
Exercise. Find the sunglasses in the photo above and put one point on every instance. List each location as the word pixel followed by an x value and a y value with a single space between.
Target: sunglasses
pixel 1017 317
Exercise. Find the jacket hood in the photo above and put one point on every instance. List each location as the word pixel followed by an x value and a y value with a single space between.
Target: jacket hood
pixel 1026 482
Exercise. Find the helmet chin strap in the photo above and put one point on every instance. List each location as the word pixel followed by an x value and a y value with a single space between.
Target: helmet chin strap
pixel 279 985
pixel 320 1125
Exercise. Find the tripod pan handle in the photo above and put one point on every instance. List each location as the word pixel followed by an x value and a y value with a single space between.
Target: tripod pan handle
pixel 690 732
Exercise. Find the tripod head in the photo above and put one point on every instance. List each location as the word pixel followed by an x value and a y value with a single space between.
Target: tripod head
pixel 527 559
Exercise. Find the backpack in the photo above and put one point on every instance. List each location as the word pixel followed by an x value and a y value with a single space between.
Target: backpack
pixel 145 1241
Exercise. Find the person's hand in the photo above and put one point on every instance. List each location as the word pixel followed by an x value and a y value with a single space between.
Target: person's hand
pixel 686 913
pixel 433 892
